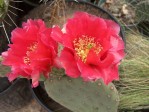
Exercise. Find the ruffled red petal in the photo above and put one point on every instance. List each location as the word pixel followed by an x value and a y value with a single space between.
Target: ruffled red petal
pixel 89 72
pixel 57 34
pixel 35 77
pixel 113 26
pixel 110 74
pixel 69 64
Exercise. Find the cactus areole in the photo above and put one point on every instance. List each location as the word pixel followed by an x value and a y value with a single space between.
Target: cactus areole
pixel 3 8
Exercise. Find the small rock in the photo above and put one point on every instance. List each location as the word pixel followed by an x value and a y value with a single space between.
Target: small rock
pixel 124 9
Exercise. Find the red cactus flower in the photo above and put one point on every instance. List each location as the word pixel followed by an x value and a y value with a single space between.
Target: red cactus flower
pixel 32 51
pixel 92 47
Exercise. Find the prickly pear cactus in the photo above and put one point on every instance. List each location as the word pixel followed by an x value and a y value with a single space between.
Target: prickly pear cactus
pixel 79 96
pixel 3 8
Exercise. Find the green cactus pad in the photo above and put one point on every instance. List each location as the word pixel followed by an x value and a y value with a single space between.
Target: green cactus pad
pixel 3 8
pixel 3 69
pixel 80 96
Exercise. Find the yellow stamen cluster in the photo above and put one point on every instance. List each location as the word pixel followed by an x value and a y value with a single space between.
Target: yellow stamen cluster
pixel 84 44
pixel 30 49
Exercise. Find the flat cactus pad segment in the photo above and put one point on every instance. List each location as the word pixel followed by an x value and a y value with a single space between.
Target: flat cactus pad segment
pixel 80 96
pixel 3 8
pixel 4 70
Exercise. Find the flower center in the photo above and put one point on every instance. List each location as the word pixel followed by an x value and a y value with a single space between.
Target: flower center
pixel 84 44
pixel 30 49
